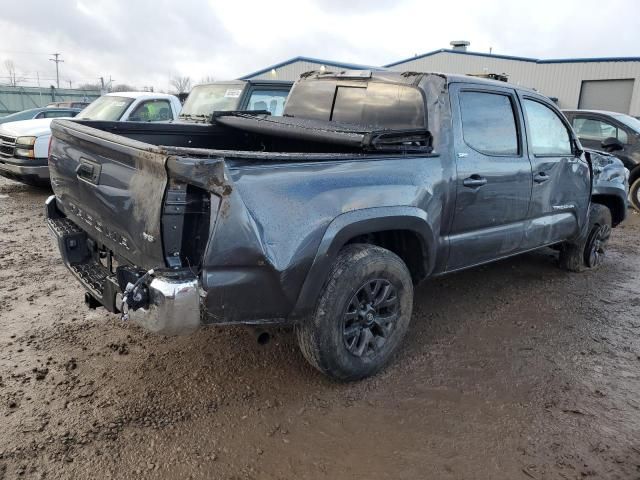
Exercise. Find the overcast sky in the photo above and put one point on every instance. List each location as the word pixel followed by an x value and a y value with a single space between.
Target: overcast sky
pixel 147 42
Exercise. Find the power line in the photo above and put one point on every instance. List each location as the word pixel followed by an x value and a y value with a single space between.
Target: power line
pixel 57 60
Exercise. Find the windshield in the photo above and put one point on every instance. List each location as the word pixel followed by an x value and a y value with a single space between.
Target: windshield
pixel 629 121
pixel 108 108
pixel 206 99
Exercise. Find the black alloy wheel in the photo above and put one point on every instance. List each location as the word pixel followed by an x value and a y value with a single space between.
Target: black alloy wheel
pixel 370 317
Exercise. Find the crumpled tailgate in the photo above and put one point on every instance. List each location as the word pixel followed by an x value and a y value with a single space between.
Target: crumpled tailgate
pixel 112 187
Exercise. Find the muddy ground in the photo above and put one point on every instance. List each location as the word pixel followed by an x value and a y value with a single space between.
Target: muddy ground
pixel 516 370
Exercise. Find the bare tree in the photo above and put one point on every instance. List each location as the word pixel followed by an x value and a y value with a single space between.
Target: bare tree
pixel 89 86
pixel 207 79
pixel 11 70
pixel 181 84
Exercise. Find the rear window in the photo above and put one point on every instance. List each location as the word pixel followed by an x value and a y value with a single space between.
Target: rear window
pixel 268 99
pixel 206 99
pixel 59 114
pixel 374 104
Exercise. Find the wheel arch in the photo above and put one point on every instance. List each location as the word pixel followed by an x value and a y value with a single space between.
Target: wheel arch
pixel 616 205
pixel 380 226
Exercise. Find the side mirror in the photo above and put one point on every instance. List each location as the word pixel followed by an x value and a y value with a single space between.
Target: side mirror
pixel 612 144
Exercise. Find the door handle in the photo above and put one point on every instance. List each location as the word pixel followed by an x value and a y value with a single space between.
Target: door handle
pixel 88 171
pixel 541 177
pixel 84 170
pixel 474 181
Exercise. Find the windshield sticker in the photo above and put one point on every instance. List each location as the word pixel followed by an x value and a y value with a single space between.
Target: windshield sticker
pixel 232 93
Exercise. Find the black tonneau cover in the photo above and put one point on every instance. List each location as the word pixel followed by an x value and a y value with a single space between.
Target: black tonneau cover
pixel 336 133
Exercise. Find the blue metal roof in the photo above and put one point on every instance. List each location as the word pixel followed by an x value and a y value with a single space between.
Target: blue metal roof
pixel 520 59
pixel 330 63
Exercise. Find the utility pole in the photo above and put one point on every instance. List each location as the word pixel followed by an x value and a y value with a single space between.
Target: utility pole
pixel 70 85
pixel 57 60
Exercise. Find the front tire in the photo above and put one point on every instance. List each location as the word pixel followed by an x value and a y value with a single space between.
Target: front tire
pixel 361 316
pixel 588 252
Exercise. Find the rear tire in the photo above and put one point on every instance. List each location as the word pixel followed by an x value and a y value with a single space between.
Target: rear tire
pixel 361 316
pixel 588 252
pixel 634 194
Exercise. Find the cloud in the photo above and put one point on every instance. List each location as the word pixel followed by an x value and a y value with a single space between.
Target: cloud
pixel 146 42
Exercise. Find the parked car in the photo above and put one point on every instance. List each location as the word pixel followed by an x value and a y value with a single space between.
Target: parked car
pixel 79 105
pixel 45 112
pixel 614 133
pixel 327 217
pixel 24 145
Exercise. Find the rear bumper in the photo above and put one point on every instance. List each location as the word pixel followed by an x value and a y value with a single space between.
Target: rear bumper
pixel 174 299
pixel 16 169
pixel 174 307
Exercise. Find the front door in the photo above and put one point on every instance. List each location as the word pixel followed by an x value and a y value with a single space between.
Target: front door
pixel 561 176
pixel 493 185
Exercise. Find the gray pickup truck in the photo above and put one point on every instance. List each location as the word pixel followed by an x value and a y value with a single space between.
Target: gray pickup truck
pixel 326 218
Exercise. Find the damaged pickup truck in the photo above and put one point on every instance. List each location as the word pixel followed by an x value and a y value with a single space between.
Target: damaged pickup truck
pixel 326 218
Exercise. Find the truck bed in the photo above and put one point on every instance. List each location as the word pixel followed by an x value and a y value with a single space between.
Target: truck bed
pixel 238 131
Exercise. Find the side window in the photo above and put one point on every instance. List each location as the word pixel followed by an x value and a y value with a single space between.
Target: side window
pixel 40 115
pixel 152 111
pixel 549 136
pixel 488 123
pixel 271 100
pixel 598 130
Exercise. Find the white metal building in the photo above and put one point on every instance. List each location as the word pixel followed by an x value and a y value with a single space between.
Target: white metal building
pixel 592 83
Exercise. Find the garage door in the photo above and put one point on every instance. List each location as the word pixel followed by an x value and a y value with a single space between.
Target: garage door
pixel 614 95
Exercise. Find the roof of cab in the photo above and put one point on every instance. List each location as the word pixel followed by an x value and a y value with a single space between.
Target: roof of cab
pixel 409 77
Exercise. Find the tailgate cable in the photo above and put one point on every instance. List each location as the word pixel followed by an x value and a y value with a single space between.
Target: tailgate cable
pixel 134 294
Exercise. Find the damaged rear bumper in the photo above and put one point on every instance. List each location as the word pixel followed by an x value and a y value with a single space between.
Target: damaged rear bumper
pixel 174 307
pixel 174 297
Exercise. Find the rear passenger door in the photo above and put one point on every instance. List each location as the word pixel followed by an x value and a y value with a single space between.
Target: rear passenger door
pixel 493 185
pixel 561 175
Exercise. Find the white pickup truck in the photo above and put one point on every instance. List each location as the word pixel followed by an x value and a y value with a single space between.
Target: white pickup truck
pixel 24 145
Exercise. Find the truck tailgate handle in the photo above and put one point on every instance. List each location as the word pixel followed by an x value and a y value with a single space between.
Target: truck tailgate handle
pixel 474 181
pixel 541 177
pixel 88 171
